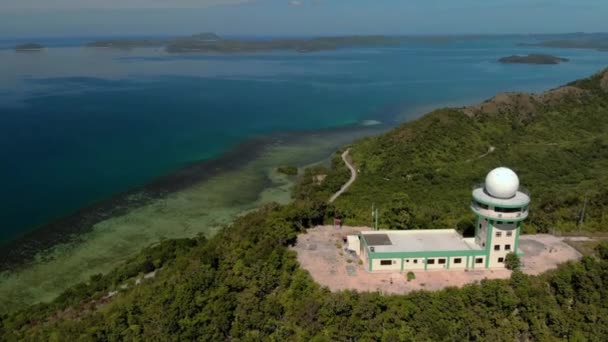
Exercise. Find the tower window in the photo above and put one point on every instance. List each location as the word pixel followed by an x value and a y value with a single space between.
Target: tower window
pixel 507 247
pixel 386 262
pixel 496 247
pixel 509 233
pixel 478 260
pixel 441 261
pixel 498 234
pixel 458 260
pixel 501 259
pixel 430 261
pixel 415 261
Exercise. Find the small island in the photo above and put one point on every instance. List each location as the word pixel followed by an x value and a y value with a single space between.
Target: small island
pixel 29 47
pixel 126 43
pixel 533 59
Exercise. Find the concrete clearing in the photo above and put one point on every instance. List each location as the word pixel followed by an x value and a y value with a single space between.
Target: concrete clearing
pixel 321 251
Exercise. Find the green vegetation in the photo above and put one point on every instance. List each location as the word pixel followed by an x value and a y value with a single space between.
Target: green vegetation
pixel 411 276
pixel 512 261
pixel 289 170
pixel 420 174
pixel 245 284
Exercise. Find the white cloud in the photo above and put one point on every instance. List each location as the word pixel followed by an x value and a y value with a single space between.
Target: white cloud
pixel 33 5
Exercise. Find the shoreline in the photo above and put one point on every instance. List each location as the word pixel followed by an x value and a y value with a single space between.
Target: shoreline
pixel 23 249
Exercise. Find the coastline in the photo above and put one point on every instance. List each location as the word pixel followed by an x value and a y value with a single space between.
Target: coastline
pixel 198 199
pixel 20 251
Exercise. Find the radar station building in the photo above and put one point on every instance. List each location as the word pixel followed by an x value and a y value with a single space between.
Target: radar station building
pixel 500 206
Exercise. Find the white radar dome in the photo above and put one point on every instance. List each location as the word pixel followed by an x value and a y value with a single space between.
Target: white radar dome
pixel 502 182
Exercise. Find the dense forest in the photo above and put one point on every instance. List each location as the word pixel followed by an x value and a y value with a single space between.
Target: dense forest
pixel 245 283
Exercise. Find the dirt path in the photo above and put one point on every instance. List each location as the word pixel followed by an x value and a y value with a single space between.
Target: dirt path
pixel 353 177
pixel 490 150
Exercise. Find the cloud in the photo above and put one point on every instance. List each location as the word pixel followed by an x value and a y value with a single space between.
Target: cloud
pixel 46 5
pixel 295 3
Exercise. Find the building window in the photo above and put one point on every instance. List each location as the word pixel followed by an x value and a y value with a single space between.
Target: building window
pixel 415 261
pixel 501 259
pixel 441 261
pixel 507 247
pixel 458 260
pixel 407 260
pixel 483 244
pixel 386 262
pixel 507 210
pixel 509 233
pixel 481 205
pixel 478 260
pixel 496 247
pixel 430 261
pixel 498 234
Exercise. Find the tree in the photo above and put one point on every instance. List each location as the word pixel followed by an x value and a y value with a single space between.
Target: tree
pixel 602 250
pixel 512 261
pixel 410 276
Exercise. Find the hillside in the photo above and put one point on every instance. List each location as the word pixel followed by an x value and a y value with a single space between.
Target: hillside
pixel 245 284
pixel 556 141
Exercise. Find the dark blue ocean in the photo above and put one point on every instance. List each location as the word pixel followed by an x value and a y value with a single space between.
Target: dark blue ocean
pixel 79 124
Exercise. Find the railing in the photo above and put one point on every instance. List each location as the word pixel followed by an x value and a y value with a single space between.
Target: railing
pixel 492 213
pixel 521 189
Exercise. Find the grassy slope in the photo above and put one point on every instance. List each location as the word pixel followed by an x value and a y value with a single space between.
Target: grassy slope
pixel 559 148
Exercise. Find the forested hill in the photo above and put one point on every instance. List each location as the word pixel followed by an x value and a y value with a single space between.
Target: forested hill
pixel 244 284
pixel 420 174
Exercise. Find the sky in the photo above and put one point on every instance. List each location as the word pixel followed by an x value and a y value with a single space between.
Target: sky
pixel 46 18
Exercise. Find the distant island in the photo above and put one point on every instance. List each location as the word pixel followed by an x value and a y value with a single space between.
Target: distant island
pixel 29 47
pixel 126 43
pixel 219 45
pixel 596 41
pixel 533 59
pixel 212 43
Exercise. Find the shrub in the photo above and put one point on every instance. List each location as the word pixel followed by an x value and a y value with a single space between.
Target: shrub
pixel 410 276
pixel 512 261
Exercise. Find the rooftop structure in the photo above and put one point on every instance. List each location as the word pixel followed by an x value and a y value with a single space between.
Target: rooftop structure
pixel 411 241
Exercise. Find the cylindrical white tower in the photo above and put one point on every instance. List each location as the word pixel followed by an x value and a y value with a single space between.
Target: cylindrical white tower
pixel 500 205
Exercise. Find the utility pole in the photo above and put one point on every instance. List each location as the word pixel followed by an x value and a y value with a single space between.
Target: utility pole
pixel 376 215
pixel 582 219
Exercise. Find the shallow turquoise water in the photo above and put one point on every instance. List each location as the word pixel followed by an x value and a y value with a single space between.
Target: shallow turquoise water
pixel 78 125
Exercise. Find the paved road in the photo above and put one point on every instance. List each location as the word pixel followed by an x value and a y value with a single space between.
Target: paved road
pixel 353 177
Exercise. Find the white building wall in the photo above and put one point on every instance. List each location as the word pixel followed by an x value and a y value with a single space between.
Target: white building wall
pixel 461 265
pixel 478 265
pixel 502 239
pixel 410 264
pixel 482 232
pixel 436 265
pixel 394 266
